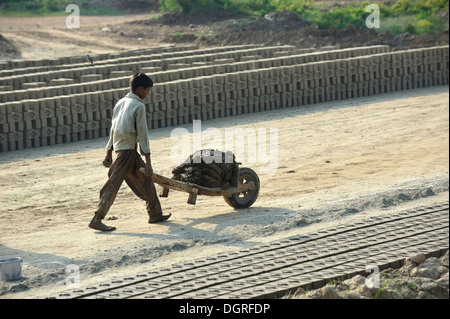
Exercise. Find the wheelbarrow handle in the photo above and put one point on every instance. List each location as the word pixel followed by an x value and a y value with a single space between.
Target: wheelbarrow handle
pixel 142 170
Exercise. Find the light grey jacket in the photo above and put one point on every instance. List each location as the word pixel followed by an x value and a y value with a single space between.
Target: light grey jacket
pixel 129 125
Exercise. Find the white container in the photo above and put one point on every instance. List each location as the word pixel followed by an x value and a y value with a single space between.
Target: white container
pixel 11 268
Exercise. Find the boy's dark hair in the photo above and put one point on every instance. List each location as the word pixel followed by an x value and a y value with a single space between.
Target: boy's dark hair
pixel 140 79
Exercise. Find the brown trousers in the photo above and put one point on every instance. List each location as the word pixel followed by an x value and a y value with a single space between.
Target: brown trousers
pixel 126 167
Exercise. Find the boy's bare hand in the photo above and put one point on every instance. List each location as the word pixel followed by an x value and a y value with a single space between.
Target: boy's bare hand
pixel 148 169
pixel 148 165
pixel 107 162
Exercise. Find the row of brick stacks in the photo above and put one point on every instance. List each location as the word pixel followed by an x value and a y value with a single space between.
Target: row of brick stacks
pixel 88 72
pixel 227 81
pixel 110 77
pixel 176 71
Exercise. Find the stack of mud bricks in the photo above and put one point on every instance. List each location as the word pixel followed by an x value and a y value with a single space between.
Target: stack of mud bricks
pixel 67 89
pixel 111 81
pixel 82 72
pixel 173 103
pixel 65 111
pixel 25 66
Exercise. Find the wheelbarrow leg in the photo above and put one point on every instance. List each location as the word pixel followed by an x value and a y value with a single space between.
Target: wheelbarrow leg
pixel 193 197
pixel 165 192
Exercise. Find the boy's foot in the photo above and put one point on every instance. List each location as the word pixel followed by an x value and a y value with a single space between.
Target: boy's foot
pixel 96 223
pixel 158 219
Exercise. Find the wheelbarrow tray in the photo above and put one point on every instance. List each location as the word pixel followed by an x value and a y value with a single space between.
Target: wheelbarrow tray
pixel 194 189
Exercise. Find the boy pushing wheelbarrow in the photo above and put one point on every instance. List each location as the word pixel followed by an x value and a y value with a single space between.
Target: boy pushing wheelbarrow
pixel 128 130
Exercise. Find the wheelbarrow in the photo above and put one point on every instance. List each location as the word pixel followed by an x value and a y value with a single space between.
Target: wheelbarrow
pixel 242 193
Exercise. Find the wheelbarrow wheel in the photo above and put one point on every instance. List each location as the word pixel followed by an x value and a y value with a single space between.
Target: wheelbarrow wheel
pixel 245 199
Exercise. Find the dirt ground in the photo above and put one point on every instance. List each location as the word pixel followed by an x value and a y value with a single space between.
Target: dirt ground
pixel 336 162
pixel 48 37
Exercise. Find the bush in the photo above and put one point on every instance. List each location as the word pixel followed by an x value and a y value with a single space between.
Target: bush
pixel 296 6
pixel 411 24
pixel 190 6
pixel 341 18
pixel 402 7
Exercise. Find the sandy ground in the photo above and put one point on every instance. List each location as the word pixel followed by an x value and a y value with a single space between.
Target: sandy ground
pixel 336 162
pixel 48 37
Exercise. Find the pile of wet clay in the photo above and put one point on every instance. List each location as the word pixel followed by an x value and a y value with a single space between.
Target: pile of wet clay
pixel 208 168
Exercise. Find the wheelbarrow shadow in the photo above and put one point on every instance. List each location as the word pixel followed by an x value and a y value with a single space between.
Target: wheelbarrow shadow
pixel 234 228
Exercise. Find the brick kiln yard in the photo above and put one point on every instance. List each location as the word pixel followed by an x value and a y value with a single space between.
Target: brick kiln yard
pixel 337 161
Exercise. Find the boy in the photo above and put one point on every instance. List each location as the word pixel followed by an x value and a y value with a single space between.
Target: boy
pixel 129 128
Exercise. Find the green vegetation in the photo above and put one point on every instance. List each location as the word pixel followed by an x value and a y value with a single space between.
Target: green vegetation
pixel 29 8
pixel 416 17
pixel 191 6
pixel 396 16
pixel 413 16
pixel 402 24
pixel 51 7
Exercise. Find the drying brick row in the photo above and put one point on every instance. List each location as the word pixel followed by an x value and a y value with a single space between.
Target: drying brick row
pixel 17 81
pixel 119 79
pixel 64 62
pixel 48 121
